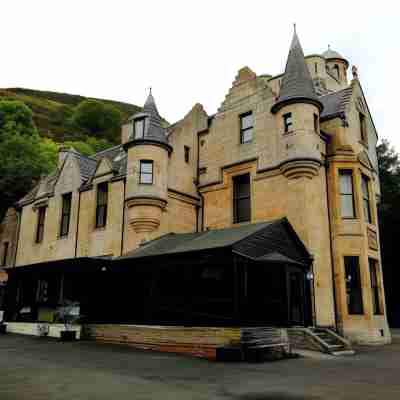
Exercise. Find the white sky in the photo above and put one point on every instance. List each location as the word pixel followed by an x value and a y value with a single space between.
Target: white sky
pixel 190 51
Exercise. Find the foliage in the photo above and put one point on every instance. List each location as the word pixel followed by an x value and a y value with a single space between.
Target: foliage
pixel 389 225
pixel 52 114
pixel 24 155
pixel 96 116
pixel 16 118
pixel 90 146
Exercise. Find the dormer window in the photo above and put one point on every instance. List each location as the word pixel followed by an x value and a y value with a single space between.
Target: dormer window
pixel 140 126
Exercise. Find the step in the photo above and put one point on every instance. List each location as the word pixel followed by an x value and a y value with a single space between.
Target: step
pixel 335 346
pixel 343 353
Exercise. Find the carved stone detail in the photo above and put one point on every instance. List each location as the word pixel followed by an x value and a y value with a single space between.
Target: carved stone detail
pixel 144 214
pixel 300 168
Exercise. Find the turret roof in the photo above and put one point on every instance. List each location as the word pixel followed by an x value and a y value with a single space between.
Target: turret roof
pixel 155 130
pixel 297 85
pixel 332 54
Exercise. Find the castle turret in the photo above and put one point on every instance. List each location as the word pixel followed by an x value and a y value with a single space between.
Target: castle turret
pixel 336 65
pixel 147 171
pixel 297 111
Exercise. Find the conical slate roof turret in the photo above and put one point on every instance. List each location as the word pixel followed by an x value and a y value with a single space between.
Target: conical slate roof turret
pixel 297 85
pixel 154 131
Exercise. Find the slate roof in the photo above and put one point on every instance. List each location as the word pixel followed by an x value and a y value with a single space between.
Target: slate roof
pixel 254 241
pixel 87 165
pixel 296 83
pixel 155 130
pixel 117 156
pixel 335 103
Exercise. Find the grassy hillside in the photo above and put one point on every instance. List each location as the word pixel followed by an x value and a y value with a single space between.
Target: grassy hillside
pixel 52 112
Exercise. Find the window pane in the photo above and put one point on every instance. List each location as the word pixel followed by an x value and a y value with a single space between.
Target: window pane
pixel 347 207
pixel 146 178
pixel 247 121
pixel 346 183
pixel 247 135
pixel 139 128
pixel 364 185
pixel 242 186
pixel 353 285
pixel 243 210
pixel 146 167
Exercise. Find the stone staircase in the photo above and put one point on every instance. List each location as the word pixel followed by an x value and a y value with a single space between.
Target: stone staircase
pixel 321 339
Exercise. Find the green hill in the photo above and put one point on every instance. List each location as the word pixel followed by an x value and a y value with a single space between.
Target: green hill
pixel 52 112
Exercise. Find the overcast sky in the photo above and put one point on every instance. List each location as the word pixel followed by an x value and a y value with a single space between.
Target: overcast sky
pixel 190 51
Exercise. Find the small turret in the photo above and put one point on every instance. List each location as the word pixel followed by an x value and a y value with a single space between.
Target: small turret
pixel 336 65
pixel 297 112
pixel 147 171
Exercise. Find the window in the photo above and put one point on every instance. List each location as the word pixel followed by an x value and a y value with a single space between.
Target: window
pixel 187 153
pixel 246 127
pixel 42 291
pixel 363 129
pixel 101 205
pixel 5 253
pixel 65 214
pixel 288 122
pixel 316 68
pixel 140 127
pixel 374 286
pixel 337 71
pixel 146 172
pixel 353 285
pixel 316 123
pixel 365 195
pixel 241 198
pixel 346 194
pixel 40 224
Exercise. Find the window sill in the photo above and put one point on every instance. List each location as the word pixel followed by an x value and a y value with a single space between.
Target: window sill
pixel 62 237
pixel 241 223
pixel 99 228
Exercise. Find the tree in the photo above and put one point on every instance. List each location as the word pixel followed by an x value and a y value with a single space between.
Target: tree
pixel 24 156
pixel 16 118
pixel 389 226
pixel 98 118
pixel 90 146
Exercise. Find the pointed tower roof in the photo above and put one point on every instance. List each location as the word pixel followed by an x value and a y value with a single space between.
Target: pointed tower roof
pixel 154 133
pixel 297 85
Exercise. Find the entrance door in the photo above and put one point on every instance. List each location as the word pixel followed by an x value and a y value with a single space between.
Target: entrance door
pixel 296 296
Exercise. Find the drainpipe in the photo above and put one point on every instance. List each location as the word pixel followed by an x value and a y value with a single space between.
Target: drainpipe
pixel 19 215
pixel 77 223
pixel 123 219
pixel 198 191
pixel 331 245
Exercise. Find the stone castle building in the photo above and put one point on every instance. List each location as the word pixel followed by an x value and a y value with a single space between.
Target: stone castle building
pixel 298 147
